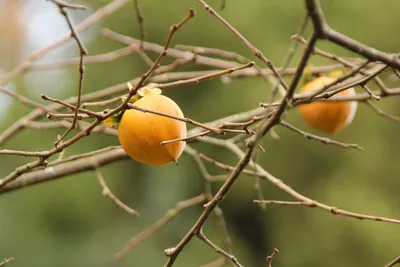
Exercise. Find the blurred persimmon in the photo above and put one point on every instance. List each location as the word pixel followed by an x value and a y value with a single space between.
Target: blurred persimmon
pixel 328 117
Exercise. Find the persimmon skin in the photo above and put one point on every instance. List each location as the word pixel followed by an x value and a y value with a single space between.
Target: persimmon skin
pixel 328 117
pixel 140 133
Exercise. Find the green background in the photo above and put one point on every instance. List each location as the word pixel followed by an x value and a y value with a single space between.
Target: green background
pixel 69 223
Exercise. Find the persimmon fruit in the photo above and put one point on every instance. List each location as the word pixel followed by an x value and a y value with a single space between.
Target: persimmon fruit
pixel 328 117
pixel 141 133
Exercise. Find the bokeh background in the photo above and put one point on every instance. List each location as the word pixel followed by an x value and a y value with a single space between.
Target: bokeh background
pixel 69 223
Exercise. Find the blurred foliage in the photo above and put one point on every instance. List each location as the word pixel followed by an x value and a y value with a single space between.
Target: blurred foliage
pixel 69 223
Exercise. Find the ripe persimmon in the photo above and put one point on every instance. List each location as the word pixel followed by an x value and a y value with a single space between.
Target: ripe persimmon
pixel 141 133
pixel 327 117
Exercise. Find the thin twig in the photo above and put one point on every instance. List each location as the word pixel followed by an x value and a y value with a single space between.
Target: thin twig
pixel 102 103
pixel 212 62
pixel 253 49
pixel 286 203
pixel 174 65
pixel 52 116
pixel 140 18
pixel 229 168
pixel 334 97
pixel 20 170
pixel 24 100
pixel 63 4
pixel 256 182
pixel 132 91
pixel 323 31
pixel 61 155
pixel 72 107
pixel 107 192
pixel 95 59
pixel 145 57
pixel 82 51
pixel 65 124
pixel 335 211
pixel 21 153
pixel 393 262
pixel 213 52
pixel 232 258
pixel 205 77
pixel 5 261
pixel 363 81
pixel 187 120
pixel 271 257
pixel 221 127
pixel 324 140
pixel 397 73
pixel 338 80
pixel 83 155
pixel 370 92
pixel 289 56
pixel 197 79
pixel 208 194
pixel 382 113
pixel 352 65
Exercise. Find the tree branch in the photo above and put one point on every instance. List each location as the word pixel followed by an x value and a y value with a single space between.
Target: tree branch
pixel 323 31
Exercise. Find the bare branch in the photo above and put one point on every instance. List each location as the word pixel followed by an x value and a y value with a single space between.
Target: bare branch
pixel 69 167
pixel 381 112
pixel 338 80
pixel 206 77
pixel 271 257
pixel 393 262
pixel 335 211
pixel 107 192
pixel 187 120
pixel 24 100
pixel 209 195
pixel 63 4
pixel 352 65
pixel 100 58
pixel 253 49
pixel 21 153
pixel 140 19
pixel 321 139
pixel 232 258
pixel 323 31
pixel 82 51
pixel 5 261
pixel 289 56
pixel 67 105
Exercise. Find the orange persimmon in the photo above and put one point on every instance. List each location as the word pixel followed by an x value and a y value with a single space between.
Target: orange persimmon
pixel 140 133
pixel 327 117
